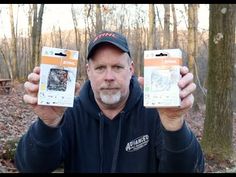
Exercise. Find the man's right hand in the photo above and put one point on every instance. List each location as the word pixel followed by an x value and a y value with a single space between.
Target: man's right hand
pixel 50 115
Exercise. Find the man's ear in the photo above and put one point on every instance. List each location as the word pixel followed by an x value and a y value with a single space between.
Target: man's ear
pixel 88 69
pixel 132 68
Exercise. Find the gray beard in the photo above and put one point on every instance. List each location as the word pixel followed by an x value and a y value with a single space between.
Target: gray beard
pixel 110 99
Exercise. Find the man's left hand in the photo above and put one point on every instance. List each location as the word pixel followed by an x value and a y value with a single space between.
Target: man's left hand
pixel 172 118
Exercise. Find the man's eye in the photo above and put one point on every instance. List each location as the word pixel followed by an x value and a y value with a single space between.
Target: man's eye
pixel 100 68
pixel 117 68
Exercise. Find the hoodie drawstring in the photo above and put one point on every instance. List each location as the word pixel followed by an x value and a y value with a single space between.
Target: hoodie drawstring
pixel 101 127
pixel 117 145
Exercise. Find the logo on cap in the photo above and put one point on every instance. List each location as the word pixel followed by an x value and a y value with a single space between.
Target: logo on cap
pixel 104 35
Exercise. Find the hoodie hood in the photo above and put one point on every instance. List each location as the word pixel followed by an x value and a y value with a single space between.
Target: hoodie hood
pixel 88 101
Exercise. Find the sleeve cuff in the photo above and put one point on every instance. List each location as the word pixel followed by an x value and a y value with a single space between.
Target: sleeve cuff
pixel 44 134
pixel 177 140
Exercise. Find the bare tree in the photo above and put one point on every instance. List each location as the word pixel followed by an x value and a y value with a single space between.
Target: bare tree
pixel 137 43
pixel 60 38
pixel 122 18
pixel 30 28
pixel 7 62
pixel 192 51
pixel 98 19
pixel 13 48
pixel 159 19
pixel 218 124
pixel 36 33
pixel 88 11
pixel 33 36
pixel 192 35
pixel 82 53
pixel 175 31
pixel 75 22
pixel 152 27
pixel 166 39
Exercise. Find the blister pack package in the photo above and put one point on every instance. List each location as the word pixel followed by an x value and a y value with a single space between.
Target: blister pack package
pixel 161 76
pixel 58 71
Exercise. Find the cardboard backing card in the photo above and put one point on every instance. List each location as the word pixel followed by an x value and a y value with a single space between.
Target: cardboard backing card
pixel 161 76
pixel 58 71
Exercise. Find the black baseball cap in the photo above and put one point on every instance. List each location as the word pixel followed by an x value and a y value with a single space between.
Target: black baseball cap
pixel 108 37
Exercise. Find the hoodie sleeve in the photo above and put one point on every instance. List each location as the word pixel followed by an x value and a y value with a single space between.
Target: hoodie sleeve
pixel 40 149
pixel 181 152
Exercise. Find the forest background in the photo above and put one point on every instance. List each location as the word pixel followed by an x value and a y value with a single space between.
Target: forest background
pixel 194 28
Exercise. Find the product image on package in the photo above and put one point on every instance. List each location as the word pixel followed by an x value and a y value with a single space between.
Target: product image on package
pixel 57 79
pixel 162 80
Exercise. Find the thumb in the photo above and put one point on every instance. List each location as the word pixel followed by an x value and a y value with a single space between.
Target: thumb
pixel 141 81
pixel 77 88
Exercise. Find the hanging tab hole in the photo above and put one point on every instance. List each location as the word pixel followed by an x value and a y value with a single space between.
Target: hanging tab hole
pixel 161 54
pixel 61 54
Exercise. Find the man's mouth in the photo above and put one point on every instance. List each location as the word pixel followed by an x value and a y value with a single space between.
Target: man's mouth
pixel 109 88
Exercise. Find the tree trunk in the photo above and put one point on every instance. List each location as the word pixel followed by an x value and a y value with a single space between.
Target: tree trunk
pixel 122 18
pixel 87 9
pixel 166 39
pixel 30 29
pixel 38 35
pixel 9 68
pixel 217 135
pixel 86 34
pixel 192 36
pixel 81 72
pixel 175 31
pixel 53 37
pixel 34 36
pixel 98 19
pixel 60 38
pixel 159 19
pixel 192 50
pixel 137 45
pixel 152 27
pixel 75 22
pixel 13 48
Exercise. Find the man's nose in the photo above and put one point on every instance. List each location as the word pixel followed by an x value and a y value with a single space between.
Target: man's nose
pixel 109 75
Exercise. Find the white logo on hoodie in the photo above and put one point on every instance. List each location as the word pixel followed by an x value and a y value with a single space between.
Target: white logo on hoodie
pixel 137 143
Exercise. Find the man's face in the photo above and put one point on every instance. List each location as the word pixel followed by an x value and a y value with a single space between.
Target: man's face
pixel 109 72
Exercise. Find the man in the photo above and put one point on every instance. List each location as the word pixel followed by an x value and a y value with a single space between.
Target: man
pixel 109 129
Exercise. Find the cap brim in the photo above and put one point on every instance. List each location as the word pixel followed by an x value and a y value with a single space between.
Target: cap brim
pixel 106 41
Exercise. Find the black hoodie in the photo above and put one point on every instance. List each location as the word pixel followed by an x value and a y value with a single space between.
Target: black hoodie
pixel 87 141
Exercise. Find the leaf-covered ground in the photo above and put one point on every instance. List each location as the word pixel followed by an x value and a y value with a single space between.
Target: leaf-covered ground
pixel 16 116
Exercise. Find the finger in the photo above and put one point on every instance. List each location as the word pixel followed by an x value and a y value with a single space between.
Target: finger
pixel 33 77
pixel 187 102
pixel 184 70
pixel 31 88
pixel 36 70
pixel 187 90
pixel 185 80
pixel 30 99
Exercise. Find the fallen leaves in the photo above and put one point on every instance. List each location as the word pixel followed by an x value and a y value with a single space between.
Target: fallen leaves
pixel 16 116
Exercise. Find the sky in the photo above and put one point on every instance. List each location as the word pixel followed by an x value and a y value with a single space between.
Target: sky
pixel 60 15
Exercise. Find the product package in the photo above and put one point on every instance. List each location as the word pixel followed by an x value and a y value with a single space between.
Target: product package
pixel 58 71
pixel 161 76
